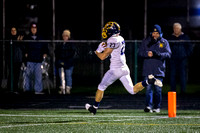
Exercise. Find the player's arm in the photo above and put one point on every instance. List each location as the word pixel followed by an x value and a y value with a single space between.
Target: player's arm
pixel 105 53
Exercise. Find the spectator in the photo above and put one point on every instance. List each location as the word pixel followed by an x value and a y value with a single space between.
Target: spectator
pixel 180 52
pixel 154 50
pixel 17 53
pixel 36 52
pixel 64 54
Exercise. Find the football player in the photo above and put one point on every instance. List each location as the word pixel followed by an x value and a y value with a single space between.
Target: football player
pixel 115 46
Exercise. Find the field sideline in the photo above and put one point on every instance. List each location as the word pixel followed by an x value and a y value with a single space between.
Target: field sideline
pixel 106 120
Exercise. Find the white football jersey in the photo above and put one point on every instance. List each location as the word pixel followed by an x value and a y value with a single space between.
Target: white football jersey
pixel 118 58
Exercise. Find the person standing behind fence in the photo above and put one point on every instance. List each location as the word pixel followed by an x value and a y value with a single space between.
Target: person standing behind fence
pixel 17 53
pixel 35 53
pixel 64 54
pixel 180 52
pixel 154 50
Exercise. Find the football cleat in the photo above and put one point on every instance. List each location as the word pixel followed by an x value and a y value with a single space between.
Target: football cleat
pixel 91 108
pixel 110 28
pixel 155 81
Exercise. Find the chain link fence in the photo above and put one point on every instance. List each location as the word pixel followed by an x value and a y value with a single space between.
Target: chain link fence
pixel 88 69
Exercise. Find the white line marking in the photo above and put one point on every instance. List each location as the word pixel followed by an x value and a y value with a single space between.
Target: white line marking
pixel 98 123
pixel 26 125
pixel 95 116
pixel 83 107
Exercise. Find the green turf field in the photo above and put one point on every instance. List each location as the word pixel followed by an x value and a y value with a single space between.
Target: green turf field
pixel 108 121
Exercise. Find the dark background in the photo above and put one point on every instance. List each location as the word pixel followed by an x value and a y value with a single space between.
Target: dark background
pixel 83 18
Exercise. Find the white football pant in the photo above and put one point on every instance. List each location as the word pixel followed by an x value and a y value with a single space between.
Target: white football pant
pixel 123 74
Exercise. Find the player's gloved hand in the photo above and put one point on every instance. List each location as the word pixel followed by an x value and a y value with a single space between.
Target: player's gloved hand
pixel 101 47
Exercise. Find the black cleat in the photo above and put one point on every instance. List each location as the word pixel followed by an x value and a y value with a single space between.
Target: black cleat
pixel 91 108
pixel 154 81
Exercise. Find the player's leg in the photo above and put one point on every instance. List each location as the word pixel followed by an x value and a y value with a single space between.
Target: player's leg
pixel 151 80
pixel 93 108
pixel 107 80
pixel 127 82
pixel 139 87
pixel 99 96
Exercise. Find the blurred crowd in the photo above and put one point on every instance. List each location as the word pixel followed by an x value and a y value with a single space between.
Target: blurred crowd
pixel 29 60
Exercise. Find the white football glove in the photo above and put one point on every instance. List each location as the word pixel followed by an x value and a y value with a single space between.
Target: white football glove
pixel 101 47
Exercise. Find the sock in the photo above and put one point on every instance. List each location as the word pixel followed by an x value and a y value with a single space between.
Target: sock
pixel 96 104
pixel 145 83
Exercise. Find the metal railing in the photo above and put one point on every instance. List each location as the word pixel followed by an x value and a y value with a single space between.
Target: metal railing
pixel 87 67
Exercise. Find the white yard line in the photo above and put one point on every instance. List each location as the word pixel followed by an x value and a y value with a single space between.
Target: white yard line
pixel 23 125
pixel 42 124
pixel 97 123
pixel 95 116
pixel 118 120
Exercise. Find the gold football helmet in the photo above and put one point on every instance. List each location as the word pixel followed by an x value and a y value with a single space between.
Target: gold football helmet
pixel 110 29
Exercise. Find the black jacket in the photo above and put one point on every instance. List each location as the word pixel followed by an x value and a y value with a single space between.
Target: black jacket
pixel 64 54
pixel 180 50
pixel 156 64
pixel 35 49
